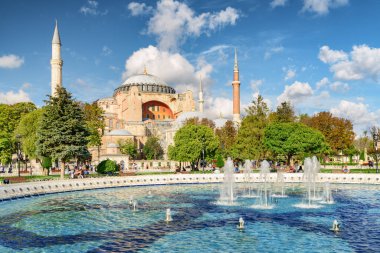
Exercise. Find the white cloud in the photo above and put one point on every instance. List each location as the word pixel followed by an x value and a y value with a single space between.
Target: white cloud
pixel 217 49
pixel 296 93
pixel 139 9
pixel 271 51
pixel 173 22
pixel 339 86
pixel 327 55
pixel 290 73
pixel 11 61
pixel 106 51
pixel 358 113
pixel 322 83
pixel 178 71
pixel 11 97
pixel 322 7
pixel 214 106
pixel 277 3
pixel 255 84
pixel 91 8
pixel 363 63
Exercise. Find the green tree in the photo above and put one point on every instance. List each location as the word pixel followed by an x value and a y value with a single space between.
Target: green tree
pixel 339 132
pixel 249 141
pixel 128 147
pixel 93 116
pixel 27 130
pixel 189 142
pixel 284 113
pixel 291 139
pixel 6 148
pixel 46 165
pixel 106 166
pixel 203 121
pixel 152 148
pixel 227 137
pixel 63 133
pixel 9 119
pixel 219 161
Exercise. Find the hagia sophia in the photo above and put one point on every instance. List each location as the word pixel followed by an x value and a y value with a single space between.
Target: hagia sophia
pixel 143 106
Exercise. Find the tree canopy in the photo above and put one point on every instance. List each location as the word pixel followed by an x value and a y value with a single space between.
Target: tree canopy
pixel 338 131
pixel 128 147
pixel 27 130
pixel 63 132
pixel 190 141
pixel 249 141
pixel 291 139
pixel 227 136
pixel 152 148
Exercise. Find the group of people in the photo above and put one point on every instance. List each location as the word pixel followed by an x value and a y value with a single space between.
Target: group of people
pixel 79 172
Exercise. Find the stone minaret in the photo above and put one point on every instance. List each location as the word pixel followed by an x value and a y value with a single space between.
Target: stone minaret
pixel 236 92
pixel 56 61
pixel 200 98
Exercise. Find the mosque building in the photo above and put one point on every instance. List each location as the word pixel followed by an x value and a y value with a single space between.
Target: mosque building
pixel 142 106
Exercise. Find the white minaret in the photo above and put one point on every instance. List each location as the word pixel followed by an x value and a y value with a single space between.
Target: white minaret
pixel 200 98
pixel 56 61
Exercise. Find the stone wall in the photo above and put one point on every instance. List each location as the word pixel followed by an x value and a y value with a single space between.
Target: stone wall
pixel 19 190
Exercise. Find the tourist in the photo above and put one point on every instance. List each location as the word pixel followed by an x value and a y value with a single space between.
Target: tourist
pixel 300 169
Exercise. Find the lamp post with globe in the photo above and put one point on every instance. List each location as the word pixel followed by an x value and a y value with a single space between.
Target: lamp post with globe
pixel 375 141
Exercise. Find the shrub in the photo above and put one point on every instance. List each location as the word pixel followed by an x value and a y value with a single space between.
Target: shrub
pixel 219 161
pixel 107 166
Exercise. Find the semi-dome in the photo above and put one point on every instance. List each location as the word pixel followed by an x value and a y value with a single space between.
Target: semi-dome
pixel 146 83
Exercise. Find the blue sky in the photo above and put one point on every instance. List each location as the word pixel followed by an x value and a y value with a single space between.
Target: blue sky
pixel 322 55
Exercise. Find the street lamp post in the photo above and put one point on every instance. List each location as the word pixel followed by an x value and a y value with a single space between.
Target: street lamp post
pixel 203 160
pixel 18 145
pixel 375 141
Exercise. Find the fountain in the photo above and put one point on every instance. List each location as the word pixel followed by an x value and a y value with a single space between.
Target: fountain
pixel 280 184
pixel 227 196
pixel 134 205
pixel 241 224
pixel 311 169
pixel 335 226
pixel 264 201
pixel 247 180
pixel 327 196
pixel 149 194
pixel 168 215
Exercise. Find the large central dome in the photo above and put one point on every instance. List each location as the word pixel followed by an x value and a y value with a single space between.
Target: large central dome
pixel 145 83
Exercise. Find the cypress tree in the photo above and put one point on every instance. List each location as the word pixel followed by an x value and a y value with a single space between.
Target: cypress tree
pixel 63 132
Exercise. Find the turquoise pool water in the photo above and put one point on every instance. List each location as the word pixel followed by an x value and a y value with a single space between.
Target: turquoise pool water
pixel 104 221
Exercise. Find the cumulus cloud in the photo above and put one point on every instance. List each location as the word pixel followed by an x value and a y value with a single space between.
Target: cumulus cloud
pixel 358 113
pixel 322 7
pixel 11 61
pixel 290 74
pixel 322 83
pixel 296 93
pixel 278 3
pixel 255 84
pixel 178 70
pixel 139 9
pixel 336 86
pixel 91 8
pixel 216 106
pixel 327 55
pixel 271 51
pixel 339 86
pixel 173 22
pixel 11 97
pixel 363 62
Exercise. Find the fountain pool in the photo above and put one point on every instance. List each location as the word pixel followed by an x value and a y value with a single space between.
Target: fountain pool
pixel 104 221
